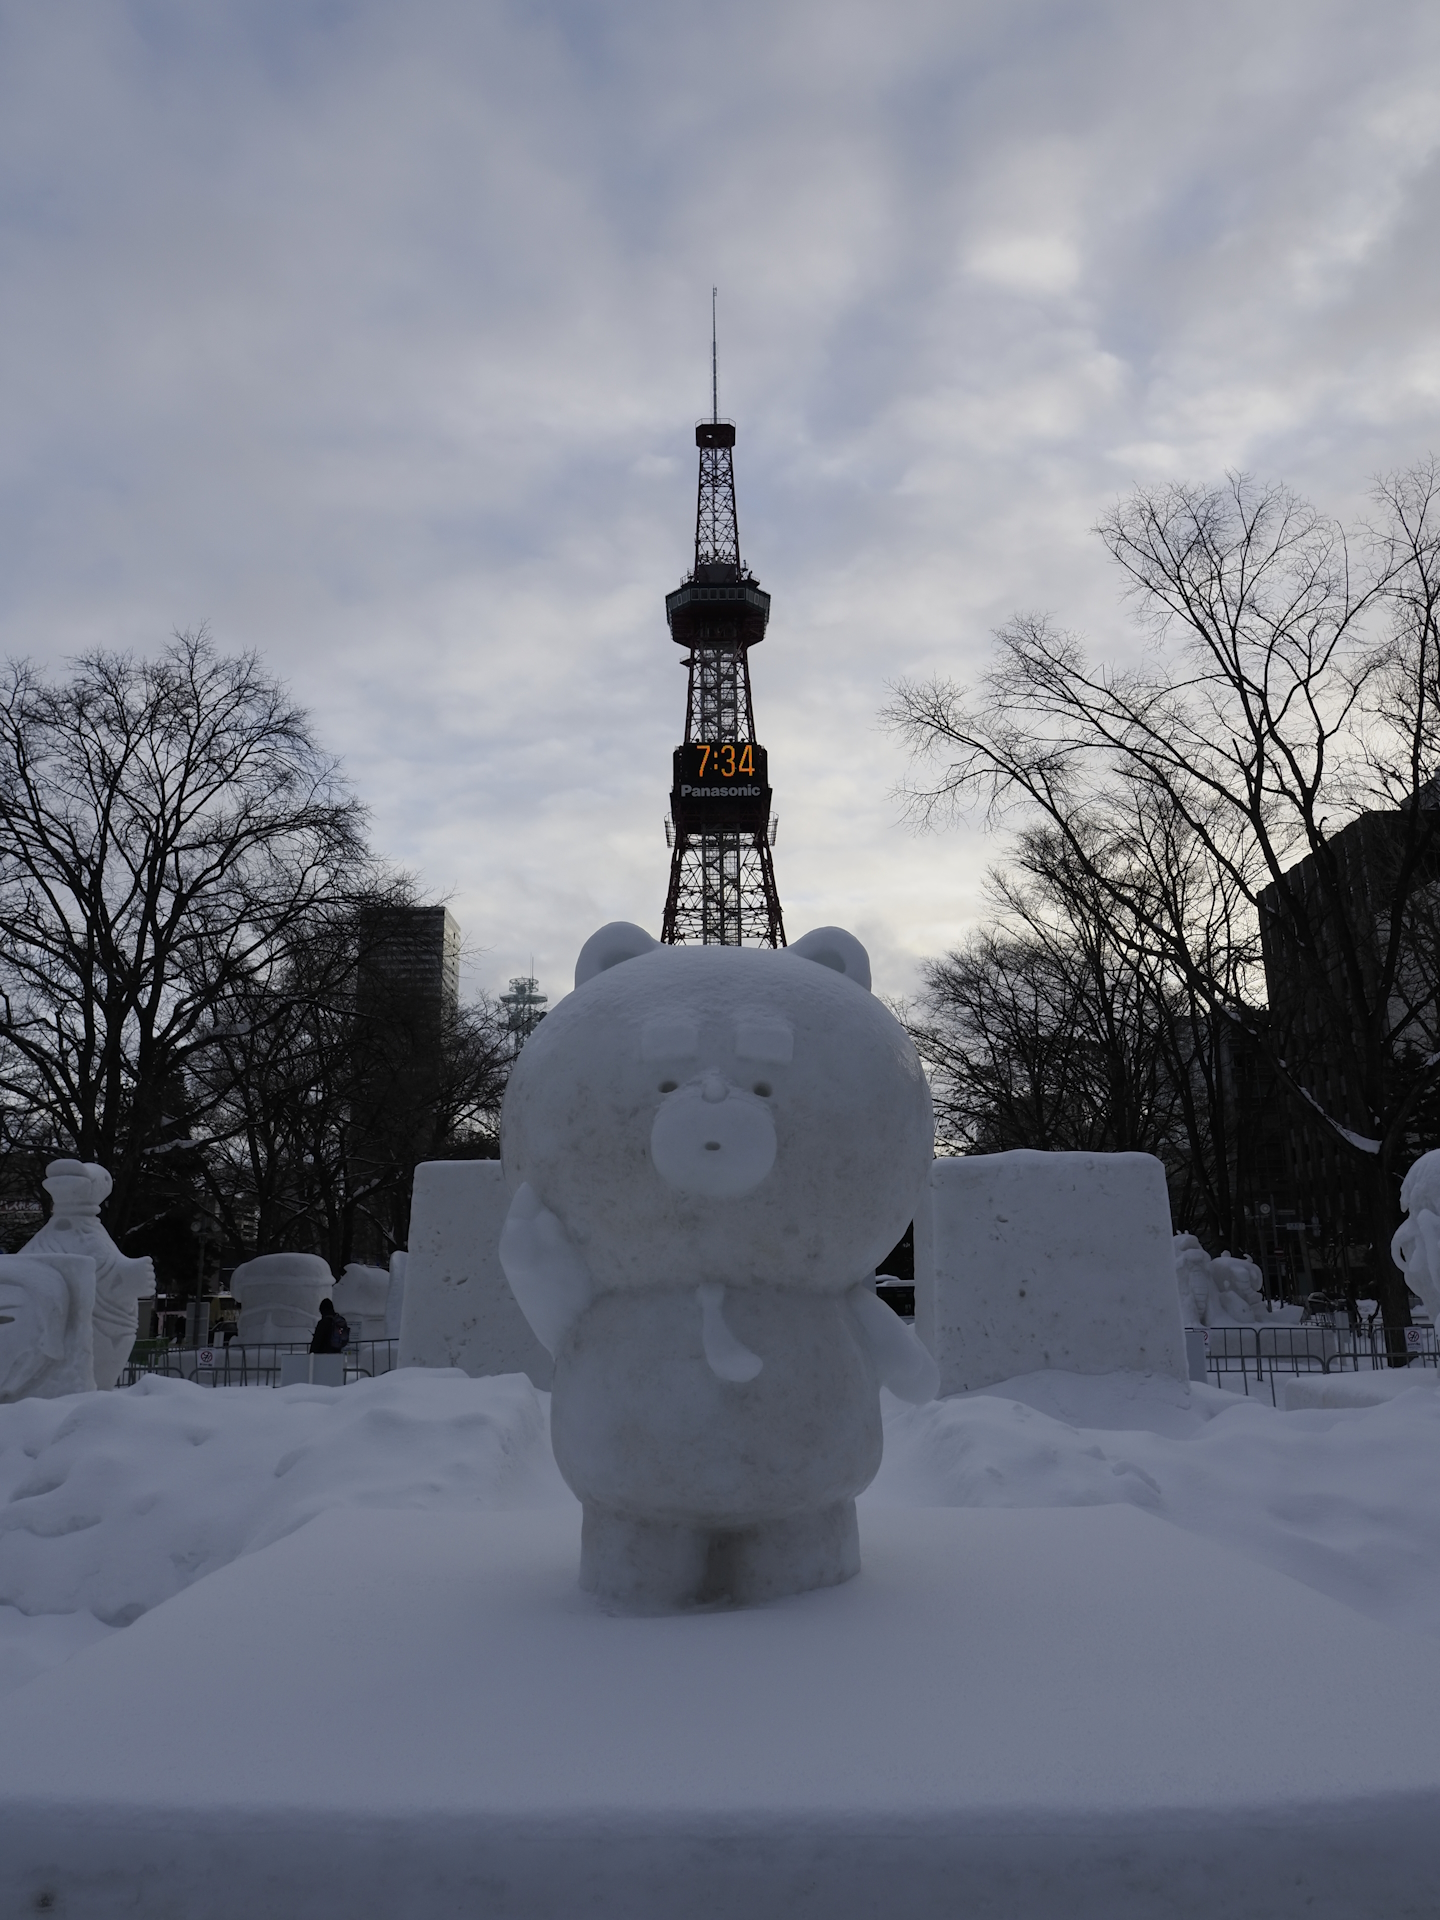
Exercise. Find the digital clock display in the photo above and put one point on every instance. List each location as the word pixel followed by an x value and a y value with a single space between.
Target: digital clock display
pixel 720 785
pixel 731 764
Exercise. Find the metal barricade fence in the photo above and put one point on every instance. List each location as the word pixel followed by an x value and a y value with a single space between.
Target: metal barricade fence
pixel 255 1365
pixel 1253 1357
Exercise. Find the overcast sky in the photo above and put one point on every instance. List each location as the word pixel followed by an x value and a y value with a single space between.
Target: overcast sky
pixel 374 336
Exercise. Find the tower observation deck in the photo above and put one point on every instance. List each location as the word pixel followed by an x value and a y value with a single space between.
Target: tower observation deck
pixel 722 879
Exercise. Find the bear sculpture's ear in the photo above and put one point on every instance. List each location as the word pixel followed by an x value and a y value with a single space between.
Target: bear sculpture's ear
pixel 621 940
pixel 835 948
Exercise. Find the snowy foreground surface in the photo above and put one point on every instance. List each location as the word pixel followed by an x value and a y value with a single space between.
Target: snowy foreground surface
pixel 1175 1670
pixel 112 1503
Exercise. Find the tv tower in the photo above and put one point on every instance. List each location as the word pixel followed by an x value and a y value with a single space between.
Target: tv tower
pixel 722 880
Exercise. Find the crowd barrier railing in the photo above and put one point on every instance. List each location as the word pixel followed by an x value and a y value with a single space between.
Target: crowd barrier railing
pixel 1255 1357
pixel 256 1364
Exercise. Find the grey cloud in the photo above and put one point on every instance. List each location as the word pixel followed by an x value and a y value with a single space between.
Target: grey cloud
pixel 374 336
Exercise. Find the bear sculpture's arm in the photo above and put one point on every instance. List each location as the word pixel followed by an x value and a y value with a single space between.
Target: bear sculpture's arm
pixel 902 1363
pixel 550 1281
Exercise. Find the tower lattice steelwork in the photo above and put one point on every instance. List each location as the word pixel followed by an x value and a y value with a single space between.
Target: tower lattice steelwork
pixel 722 879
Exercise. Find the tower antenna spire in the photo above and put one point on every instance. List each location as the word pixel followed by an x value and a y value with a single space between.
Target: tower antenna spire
pixel 714 362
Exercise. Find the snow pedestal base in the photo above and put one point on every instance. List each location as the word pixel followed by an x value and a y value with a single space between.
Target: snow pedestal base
pixel 1076 1714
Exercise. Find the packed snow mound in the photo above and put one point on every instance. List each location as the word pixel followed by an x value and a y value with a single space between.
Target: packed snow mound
pixel 113 1502
pixel 1123 1402
pixel 1345 1501
pixel 110 1503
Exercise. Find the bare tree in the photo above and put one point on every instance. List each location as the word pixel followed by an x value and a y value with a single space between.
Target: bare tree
pixel 1056 1028
pixel 1288 703
pixel 321 1099
pixel 169 830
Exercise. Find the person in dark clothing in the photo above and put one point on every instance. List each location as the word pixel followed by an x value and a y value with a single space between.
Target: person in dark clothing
pixel 332 1330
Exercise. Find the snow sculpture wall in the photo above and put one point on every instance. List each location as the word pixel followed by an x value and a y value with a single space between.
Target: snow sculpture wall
pixel 280 1295
pixel 47 1308
pixel 360 1294
pixel 1415 1247
pixel 77 1189
pixel 458 1310
pixel 1026 1261
pixel 709 1149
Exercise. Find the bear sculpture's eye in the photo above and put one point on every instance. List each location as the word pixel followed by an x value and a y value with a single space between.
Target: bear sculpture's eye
pixel 667 1086
pixel 762 1087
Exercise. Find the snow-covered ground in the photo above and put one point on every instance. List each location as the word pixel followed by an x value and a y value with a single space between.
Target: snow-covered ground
pixel 112 1502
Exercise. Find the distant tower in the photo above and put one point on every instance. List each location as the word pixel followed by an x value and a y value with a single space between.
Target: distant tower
pixel 722 880
pixel 524 1008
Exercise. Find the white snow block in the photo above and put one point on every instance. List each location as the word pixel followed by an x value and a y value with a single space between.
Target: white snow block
pixel 458 1310
pixel 1014 1714
pixel 312 1369
pixel 1026 1261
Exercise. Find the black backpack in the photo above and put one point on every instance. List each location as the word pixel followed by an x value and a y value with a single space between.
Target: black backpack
pixel 339 1333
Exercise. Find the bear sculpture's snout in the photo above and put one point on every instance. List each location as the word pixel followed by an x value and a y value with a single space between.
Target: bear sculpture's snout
pixel 711 1140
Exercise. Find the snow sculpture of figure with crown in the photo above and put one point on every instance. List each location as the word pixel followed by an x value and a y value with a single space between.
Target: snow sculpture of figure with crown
pixel 78 1188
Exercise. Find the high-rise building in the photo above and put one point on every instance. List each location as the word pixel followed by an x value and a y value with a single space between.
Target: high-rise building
pixel 1347 1038
pixel 409 960
pixel 407 989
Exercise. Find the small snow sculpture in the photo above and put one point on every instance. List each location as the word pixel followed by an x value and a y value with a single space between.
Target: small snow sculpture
pixel 709 1148
pixel 1239 1287
pixel 1192 1276
pixel 47 1307
pixel 280 1295
pixel 360 1294
pixel 77 1189
pixel 1226 1291
pixel 1415 1246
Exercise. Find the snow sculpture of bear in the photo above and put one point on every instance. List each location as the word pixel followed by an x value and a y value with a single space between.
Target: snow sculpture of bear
pixel 1415 1247
pixel 708 1149
pixel 47 1307
pixel 78 1188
